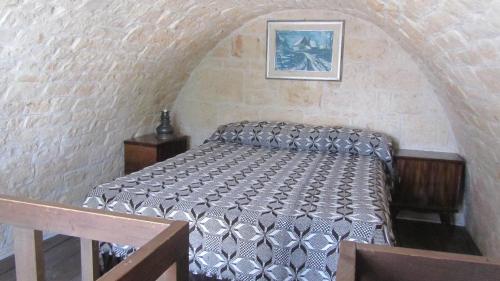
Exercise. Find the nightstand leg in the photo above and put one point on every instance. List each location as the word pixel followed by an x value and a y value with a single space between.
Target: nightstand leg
pixel 394 212
pixel 446 218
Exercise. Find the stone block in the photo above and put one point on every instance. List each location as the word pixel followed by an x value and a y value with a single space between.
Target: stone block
pixel 222 86
pixel 326 118
pixel 366 50
pixel 248 46
pixel 489 76
pixel 280 114
pixel 231 113
pixel 302 93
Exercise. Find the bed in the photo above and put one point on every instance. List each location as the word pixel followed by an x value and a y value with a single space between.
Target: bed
pixel 265 200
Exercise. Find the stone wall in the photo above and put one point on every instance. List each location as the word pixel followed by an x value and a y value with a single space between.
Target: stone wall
pixel 77 77
pixel 72 87
pixel 382 88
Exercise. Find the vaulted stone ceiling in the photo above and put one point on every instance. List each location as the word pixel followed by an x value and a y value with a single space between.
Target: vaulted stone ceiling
pixel 77 77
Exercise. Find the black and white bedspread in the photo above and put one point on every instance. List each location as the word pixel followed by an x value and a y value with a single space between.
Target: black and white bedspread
pixel 265 201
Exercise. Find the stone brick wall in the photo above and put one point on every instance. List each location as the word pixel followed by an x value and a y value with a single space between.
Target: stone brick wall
pixel 77 77
pixel 382 88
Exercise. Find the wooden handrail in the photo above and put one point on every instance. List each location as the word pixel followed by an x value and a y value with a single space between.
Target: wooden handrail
pixel 91 224
pixel 162 242
pixel 168 247
pixel 377 262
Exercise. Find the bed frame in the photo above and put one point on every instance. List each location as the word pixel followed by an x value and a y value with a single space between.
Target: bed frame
pixel 163 253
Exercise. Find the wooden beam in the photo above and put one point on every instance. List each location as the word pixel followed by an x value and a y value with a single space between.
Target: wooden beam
pixel 154 258
pixel 28 254
pixel 409 264
pixel 80 222
pixel 376 262
pixel 170 274
pixel 182 254
pixel 346 268
pixel 89 250
pixel 372 248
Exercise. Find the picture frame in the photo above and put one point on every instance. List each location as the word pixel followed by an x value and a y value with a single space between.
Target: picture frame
pixel 305 49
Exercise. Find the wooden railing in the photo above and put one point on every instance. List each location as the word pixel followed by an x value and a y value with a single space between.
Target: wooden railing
pixel 368 262
pixel 163 244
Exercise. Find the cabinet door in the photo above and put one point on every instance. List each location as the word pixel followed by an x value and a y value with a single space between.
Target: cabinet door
pixel 138 157
pixel 171 149
pixel 430 185
pixel 447 184
pixel 412 183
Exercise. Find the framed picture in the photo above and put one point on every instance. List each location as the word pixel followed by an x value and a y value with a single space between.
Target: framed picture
pixel 306 50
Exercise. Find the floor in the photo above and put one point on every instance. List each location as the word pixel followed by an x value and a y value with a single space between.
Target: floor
pixel 63 258
pixel 435 237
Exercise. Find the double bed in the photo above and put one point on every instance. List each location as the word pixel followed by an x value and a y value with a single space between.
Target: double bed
pixel 265 200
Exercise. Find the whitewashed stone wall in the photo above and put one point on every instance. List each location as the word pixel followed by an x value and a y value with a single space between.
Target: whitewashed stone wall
pixel 77 77
pixel 382 88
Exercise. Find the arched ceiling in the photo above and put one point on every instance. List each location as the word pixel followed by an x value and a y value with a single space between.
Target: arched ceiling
pixel 129 58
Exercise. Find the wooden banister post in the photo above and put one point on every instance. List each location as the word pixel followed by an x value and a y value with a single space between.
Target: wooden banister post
pixel 169 275
pixel 182 257
pixel 28 254
pixel 182 268
pixel 346 268
pixel 89 250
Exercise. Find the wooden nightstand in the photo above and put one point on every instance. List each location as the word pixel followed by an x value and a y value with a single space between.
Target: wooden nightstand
pixel 429 181
pixel 144 151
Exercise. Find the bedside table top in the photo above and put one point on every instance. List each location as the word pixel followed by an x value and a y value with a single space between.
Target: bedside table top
pixel 153 140
pixel 431 155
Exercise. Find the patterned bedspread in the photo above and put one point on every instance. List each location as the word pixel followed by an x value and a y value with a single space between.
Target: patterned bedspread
pixel 260 213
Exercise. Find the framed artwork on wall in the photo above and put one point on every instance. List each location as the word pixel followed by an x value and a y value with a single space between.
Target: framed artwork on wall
pixel 305 50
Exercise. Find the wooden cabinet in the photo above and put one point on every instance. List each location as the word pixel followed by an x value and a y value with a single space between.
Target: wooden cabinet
pixel 429 181
pixel 144 151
